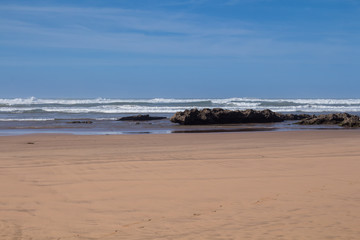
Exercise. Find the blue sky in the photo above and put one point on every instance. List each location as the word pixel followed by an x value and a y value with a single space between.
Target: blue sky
pixel 184 48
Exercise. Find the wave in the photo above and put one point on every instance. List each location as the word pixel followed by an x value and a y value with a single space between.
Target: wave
pixel 36 101
pixel 26 119
pixel 101 109
pixel 142 109
pixel 169 105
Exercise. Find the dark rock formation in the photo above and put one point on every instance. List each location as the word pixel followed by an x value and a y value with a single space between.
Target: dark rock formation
pixel 341 119
pixel 295 116
pixel 140 118
pixel 352 121
pixel 81 122
pixel 223 116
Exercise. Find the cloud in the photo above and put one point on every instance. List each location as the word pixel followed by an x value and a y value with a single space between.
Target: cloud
pixel 117 29
pixel 116 19
pixel 121 32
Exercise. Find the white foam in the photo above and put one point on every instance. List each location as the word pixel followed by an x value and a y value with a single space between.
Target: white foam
pixel 34 101
pixel 17 101
pixel 115 106
pixel 26 119
pixel 171 100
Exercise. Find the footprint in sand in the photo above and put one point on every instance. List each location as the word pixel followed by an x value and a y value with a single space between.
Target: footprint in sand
pixel 266 199
pixel 135 223
pixel 316 190
pixel 10 231
pixel 213 211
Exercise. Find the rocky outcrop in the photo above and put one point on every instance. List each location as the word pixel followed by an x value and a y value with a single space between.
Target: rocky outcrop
pixel 223 116
pixel 352 121
pixel 293 117
pixel 140 118
pixel 341 119
pixel 80 122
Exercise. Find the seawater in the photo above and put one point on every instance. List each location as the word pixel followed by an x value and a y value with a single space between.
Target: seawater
pixel 31 115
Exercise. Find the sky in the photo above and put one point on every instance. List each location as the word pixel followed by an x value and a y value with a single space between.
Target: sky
pixel 180 49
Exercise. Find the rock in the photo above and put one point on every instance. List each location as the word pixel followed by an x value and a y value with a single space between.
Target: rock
pixel 295 116
pixel 352 121
pixel 81 122
pixel 264 116
pixel 223 116
pixel 140 118
pixel 341 119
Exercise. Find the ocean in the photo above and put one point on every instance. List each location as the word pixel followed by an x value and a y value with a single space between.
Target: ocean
pixel 36 115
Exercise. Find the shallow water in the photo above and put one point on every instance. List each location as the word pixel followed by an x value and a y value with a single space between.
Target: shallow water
pixel 32 115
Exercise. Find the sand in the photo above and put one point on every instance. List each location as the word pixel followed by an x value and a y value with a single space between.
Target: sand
pixel 258 185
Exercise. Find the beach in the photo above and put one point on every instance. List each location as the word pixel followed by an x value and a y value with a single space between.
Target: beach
pixel 248 185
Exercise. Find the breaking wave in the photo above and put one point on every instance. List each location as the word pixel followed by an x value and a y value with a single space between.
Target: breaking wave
pixel 19 106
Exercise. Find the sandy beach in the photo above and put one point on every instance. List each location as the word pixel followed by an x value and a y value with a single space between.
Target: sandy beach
pixel 257 185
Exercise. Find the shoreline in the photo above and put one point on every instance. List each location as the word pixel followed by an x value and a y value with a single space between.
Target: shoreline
pixel 176 132
pixel 158 127
pixel 192 133
pixel 249 185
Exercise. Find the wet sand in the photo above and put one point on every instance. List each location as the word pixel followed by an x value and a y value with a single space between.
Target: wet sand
pixel 250 185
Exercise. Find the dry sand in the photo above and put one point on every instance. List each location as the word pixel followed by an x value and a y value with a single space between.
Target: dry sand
pixel 263 185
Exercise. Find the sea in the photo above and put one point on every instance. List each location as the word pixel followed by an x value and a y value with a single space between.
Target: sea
pixel 40 115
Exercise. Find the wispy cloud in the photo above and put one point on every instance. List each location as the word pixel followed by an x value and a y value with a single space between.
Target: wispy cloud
pixel 156 33
pixel 115 19
pixel 118 30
